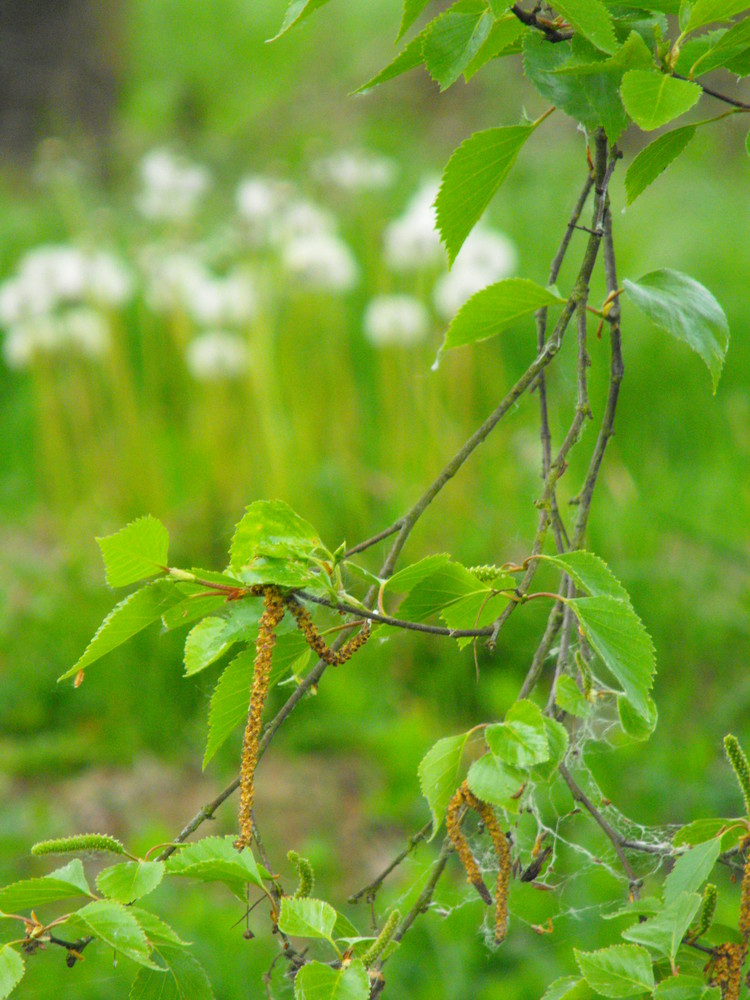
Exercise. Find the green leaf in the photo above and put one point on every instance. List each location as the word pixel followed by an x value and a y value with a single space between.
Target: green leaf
pixel 205 644
pixel 436 591
pixel 316 981
pixel 590 573
pixel 616 634
pixel 495 309
pixel 558 741
pixel 131 616
pixel 406 579
pixel 647 906
pixel 729 46
pixel 412 10
pixel 215 859
pixel 654 159
pixel 11 970
pixel 740 65
pixel 686 988
pixel 504 38
pixel 189 609
pixel 570 698
pixel 439 772
pixel 157 932
pixel 621 970
pixel 474 611
pixel 709 11
pixel 409 58
pixel 185 979
pixel 684 308
pixel 471 177
pixel 308 918
pixel 653 99
pixel 691 869
pixel 493 781
pixel 592 19
pixel 635 725
pixel 116 926
pixel 569 988
pixel 664 931
pixel 131 880
pixel 297 11
pixel 521 740
pixel 701 830
pixel 271 528
pixel 693 49
pixel 588 93
pixel 63 883
pixel 136 552
pixel 452 39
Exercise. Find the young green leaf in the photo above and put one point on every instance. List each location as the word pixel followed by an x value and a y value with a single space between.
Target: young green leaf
pixel 570 698
pixel 590 573
pixel 205 644
pixel 316 981
pixel 306 917
pixel 474 611
pixel 215 859
pixel 622 970
pixel 409 58
pixel 184 979
pixel 129 617
pixel 439 772
pixel 521 740
pixel 653 99
pixel 569 988
pixel 664 932
pixel 635 724
pixel 406 579
pixel 495 309
pixel 592 19
pixel 412 10
pixel 691 869
pixel 452 39
pixel 271 528
pixel 297 11
pixel 701 830
pixel 709 11
pixel 688 311
pixel 137 551
pixel 471 177
pixel 229 702
pixel 655 159
pixel 115 925
pixel 157 932
pixel 63 883
pixel 435 592
pixel 495 782
pixel 11 970
pixel 685 988
pixel 191 608
pixel 504 38
pixel 131 880
pixel 730 45
pixel 617 635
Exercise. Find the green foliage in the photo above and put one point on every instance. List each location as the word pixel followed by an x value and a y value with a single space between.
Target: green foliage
pixel 592 19
pixel 136 552
pixel 64 883
pixel 215 859
pixel 663 933
pixel 691 870
pixel 439 772
pixel 495 309
pixel 570 698
pixel 317 981
pixel 116 926
pixel 306 917
pixel 619 971
pixel 472 176
pixel 453 39
pixel 654 160
pixel 730 45
pixel 131 880
pixel 683 307
pixel 183 979
pixel 654 99
pixel 11 970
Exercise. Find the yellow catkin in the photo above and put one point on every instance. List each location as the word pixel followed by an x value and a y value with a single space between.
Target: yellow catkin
pixel 272 615
pixel 744 924
pixel 333 657
pixel 453 825
pixel 502 851
pixel 726 969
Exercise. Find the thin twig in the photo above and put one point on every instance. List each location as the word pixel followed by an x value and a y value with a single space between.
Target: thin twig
pixel 371 889
pixel 715 93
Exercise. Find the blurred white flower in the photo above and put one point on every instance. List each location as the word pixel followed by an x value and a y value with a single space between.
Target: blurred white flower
pixel 395 319
pixel 259 201
pixel 321 261
pixel 171 186
pixel 171 278
pixel 299 219
pixel 485 257
pixel 356 170
pixel 411 242
pixel 108 281
pixel 217 355
pixel 58 272
pixel 82 329
pixel 228 301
